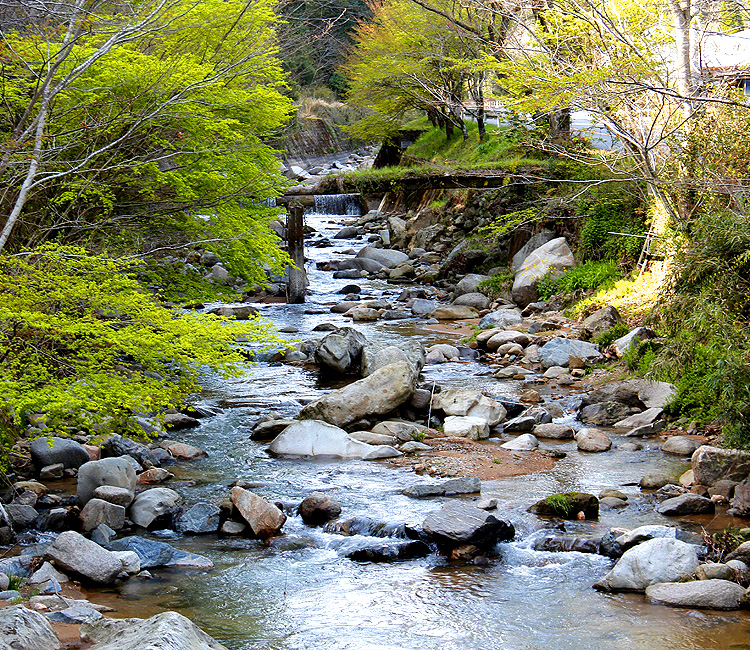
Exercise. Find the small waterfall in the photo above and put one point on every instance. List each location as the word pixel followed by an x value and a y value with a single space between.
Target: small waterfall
pixel 342 204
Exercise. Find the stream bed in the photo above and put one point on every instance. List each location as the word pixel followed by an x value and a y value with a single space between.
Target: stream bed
pixel 302 593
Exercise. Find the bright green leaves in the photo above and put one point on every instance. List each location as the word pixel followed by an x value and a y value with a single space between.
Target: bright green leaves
pixel 83 342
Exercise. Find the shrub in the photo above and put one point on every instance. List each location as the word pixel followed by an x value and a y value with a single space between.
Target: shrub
pixel 496 285
pixel 605 339
pixel 611 210
pixel 83 342
pixel 586 277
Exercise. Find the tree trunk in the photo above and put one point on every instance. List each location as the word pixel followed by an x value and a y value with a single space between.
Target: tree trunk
pixel 297 280
pixel 559 125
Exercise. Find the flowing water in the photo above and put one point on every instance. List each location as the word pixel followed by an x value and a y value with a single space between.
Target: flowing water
pixel 302 593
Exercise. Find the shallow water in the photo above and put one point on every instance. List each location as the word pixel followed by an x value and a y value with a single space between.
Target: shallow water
pixel 304 594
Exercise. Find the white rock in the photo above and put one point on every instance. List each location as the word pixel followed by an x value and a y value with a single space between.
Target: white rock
pixel 525 442
pixel 466 427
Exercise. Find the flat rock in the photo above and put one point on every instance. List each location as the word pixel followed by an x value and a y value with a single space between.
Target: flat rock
pixel 701 594
pixel 157 554
pixel 390 552
pixel 454 312
pixel 317 439
pixel 554 431
pixel 459 523
pixel 686 504
pixel 182 451
pixel 640 419
pixel 198 519
pixel 468 402
pixel 463 485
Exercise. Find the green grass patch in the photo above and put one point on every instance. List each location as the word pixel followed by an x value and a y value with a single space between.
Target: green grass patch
pixel 585 277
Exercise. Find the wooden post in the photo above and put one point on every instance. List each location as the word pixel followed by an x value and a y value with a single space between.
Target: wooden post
pixel 297 282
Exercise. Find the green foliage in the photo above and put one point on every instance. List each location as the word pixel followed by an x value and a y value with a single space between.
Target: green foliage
pixel 639 358
pixel 705 310
pixel 418 436
pixel 177 282
pixel 585 277
pixel 605 339
pixel 613 210
pixel 498 284
pixel 81 341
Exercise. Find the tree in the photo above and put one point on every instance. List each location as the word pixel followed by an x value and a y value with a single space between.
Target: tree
pixel 146 117
pixel 82 342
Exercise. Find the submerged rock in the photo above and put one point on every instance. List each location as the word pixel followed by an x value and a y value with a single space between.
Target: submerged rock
pixel 463 485
pixel 156 554
pixel 395 552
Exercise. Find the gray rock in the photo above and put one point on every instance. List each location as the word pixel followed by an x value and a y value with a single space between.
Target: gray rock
pixel 52 450
pixel 21 516
pixel 501 318
pixel 414 447
pixel 524 442
pixel 51 472
pixel 341 351
pixel 551 258
pixel 600 321
pixel 131 563
pixel 459 523
pixel 469 284
pixel 371 438
pixel 655 394
pixel 75 615
pixel 715 571
pixel 403 431
pixel 604 414
pixel 198 519
pixel 390 259
pixel 376 355
pixel 22 628
pixel 680 446
pixel 523 423
pixel 474 428
pixel 536 241
pixel 318 508
pixel 647 430
pixel 554 431
pixel 624 343
pixel 73 552
pixel 741 500
pixel 657 479
pixel 165 631
pixel 151 504
pixel 468 402
pixel 503 337
pixel 354 268
pixel 463 485
pixel 712 464
pixel 46 572
pixel 423 307
pixel 558 351
pixel 686 504
pixel 157 554
pixel 179 421
pixel 383 391
pixel 441 353
pixel 593 440
pixel 454 312
pixel 390 552
pixel 654 561
pixel 108 471
pixel 97 512
pixel 112 494
pixel 625 392
pixel 645 533
pixel 701 594
pixel 10 594
pixel 640 419
pixel 476 301
pixel 270 429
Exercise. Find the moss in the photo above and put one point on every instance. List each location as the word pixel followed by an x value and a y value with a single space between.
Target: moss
pixel 567 505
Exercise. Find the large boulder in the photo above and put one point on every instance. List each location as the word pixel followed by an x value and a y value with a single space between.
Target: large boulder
pixel 458 523
pixel 655 394
pixel 468 402
pixel 318 439
pixel 52 450
pixel 340 351
pixel 680 446
pixel 72 552
pixel 116 446
pixel 558 351
pixel 699 594
pixel 390 259
pixel 379 393
pixel 476 301
pixel 164 631
pixel 600 321
pixel 22 628
pixel 108 471
pixel 540 239
pixel 552 258
pixel 152 504
pixel 712 464
pixel 657 560
pixel 265 519
pixel 376 355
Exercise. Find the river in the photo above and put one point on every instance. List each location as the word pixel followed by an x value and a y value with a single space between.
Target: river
pixel 302 593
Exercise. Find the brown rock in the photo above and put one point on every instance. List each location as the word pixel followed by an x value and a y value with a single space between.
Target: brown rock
pixel 181 451
pixel 265 519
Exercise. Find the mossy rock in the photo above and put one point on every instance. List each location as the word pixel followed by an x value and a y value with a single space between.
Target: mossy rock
pixel 567 506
